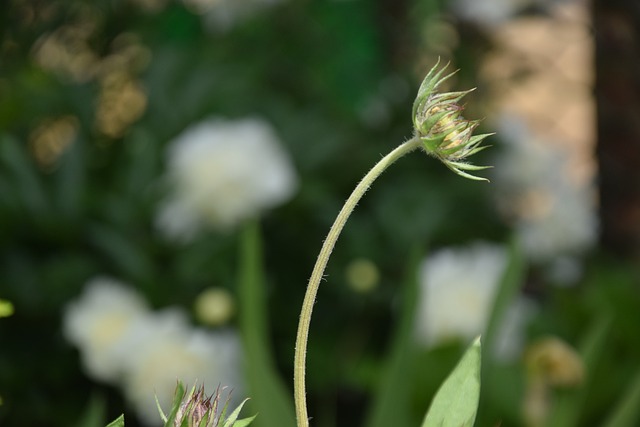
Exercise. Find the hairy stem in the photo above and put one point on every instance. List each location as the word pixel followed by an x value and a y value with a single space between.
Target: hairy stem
pixel 318 271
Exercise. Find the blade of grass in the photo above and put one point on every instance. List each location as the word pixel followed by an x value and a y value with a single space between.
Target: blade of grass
pixel 627 412
pixel 118 422
pixel 94 414
pixel 269 396
pixel 391 404
pixel 510 284
pixel 178 396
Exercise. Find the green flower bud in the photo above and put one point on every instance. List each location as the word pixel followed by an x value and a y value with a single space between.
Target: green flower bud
pixel 439 124
pixel 196 409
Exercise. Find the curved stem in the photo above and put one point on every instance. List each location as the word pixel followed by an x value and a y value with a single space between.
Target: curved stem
pixel 318 270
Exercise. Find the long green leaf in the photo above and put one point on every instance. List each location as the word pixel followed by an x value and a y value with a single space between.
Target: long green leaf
pixel 391 405
pixel 118 422
pixel 456 403
pixel 231 420
pixel 178 396
pixel 94 414
pixel 627 412
pixel 244 422
pixel 510 284
pixel 269 396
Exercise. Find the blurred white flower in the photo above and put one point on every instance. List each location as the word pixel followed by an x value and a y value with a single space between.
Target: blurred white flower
pixel 145 353
pixel 221 173
pixel 98 323
pixel 525 161
pixel 222 15
pixel 458 287
pixel 164 349
pixel 568 226
pixel 554 217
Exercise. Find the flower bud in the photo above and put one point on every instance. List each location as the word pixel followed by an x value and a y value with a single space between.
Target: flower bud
pixel 196 409
pixel 439 124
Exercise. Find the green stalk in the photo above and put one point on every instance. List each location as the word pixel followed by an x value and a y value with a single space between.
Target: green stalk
pixel 318 271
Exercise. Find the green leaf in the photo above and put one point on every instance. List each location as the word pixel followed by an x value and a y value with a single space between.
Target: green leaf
pixel 94 414
pixel 456 403
pixel 510 284
pixel 244 422
pixel 431 81
pixel 230 422
pixel 163 416
pixel 223 412
pixel 464 174
pixel 468 166
pixel 118 422
pixel 177 400
pixel 391 405
pixel 627 411
pixel 269 396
